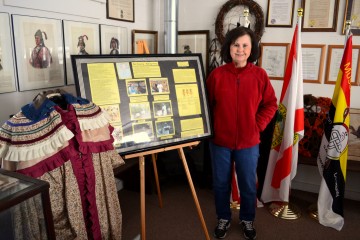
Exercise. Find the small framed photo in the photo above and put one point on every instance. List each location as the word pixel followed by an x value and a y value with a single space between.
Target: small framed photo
pixel 352 12
pixel 144 131
pixel 164 128
pixel 280 13
pixel 39 52
pixel 273 59
pixel 140 110
pixel 113 40
pixel 7 61
pixel 334 57
pixel 159 86
pixel 80 39
pixel 122 10
pixel 313 56
pixel 319 16
pixel 195 42
pixel 354 136
pixel 144 42
pixel 136 87
pixel 162 109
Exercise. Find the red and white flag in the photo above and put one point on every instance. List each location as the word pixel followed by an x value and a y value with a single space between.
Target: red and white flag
pixel 289 129
pixel 333 152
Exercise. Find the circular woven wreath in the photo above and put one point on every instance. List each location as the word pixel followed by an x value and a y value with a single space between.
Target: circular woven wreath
pixel 254 9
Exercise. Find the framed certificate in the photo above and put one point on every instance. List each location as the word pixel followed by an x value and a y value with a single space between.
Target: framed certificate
pixel 280 13
pixel 273 59
pixel 334 57
pixel 320 15
pixel 313 56
pixel 122 10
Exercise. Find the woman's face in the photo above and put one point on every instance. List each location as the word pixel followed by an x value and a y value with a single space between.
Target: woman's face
pixel 240 50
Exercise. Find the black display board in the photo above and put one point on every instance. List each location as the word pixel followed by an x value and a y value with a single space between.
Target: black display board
pixel 153 101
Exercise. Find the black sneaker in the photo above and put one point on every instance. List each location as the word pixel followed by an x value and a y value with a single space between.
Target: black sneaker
pixel 221 228
pixel 249 230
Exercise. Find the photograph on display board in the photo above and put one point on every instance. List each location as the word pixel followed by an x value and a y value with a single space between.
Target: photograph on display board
pixel 39 52
pixel 159 86
pixel 80 39
pixel 163 104
pixel 7 67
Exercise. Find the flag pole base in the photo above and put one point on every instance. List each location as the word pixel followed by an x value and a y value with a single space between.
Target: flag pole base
pixel 235 205
pixel 284 210
pixel 313 212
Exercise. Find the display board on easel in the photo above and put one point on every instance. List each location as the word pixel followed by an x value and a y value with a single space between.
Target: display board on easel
pixel 153 101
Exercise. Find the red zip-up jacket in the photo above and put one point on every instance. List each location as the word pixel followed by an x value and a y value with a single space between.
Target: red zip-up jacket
pixel 242 102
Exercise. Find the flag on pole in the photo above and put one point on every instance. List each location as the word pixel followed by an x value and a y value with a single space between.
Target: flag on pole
pixel 289 128
pixel 333 153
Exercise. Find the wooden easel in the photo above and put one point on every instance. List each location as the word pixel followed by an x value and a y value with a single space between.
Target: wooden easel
pixel 142 181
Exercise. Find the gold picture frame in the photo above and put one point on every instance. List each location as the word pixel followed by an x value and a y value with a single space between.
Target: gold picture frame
pixel 122 10
pixel 280 13
pixel 319 16
pixel 334 57
pixel 313 56
pixel 274 58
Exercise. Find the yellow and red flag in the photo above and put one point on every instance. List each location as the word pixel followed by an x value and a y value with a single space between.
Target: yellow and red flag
pixel 333 153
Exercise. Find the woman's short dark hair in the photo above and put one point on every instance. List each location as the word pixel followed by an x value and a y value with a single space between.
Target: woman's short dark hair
pixel 231 37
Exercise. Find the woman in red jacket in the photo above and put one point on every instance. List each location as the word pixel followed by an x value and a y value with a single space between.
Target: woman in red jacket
pixel 242 103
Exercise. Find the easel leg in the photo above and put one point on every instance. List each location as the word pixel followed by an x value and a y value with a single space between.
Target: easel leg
pixel 154 157
pixel 142 195
pixel 182 156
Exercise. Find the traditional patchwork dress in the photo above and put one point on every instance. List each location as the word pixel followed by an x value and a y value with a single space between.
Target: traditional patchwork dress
pixel 72 150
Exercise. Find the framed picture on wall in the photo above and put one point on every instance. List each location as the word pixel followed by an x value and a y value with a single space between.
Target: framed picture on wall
pixel 163 104
pixel 273 59
pixel 39 52
pixel 122 10
pixel 195 42
pixel 113 40
pixel 319 16
pixel 354 136
pixel 313 56
pixel 334 57
pixel 7 61
pixel 144 42
pixel 80 39
pixel 280 13
pixel 352 12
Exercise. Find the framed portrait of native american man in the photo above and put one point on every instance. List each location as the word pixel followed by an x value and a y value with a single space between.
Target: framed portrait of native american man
pixel 80 39
pixel 39 52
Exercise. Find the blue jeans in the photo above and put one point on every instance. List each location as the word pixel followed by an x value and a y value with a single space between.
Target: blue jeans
pixel 245 166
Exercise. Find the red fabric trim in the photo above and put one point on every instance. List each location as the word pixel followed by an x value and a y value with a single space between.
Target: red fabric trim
pixel 49 163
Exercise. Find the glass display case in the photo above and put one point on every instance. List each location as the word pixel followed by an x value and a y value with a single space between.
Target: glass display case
pixel 25 211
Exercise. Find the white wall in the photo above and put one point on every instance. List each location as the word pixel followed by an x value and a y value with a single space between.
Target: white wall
pixel 193 15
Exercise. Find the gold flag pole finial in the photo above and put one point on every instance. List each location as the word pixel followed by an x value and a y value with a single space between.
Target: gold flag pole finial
pixel 300 12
